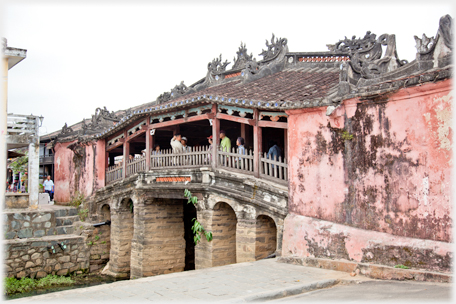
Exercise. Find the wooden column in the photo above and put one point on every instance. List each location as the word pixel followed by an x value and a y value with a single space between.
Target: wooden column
pixel 149 144
pixel 257 144
pixel 285 143
pixel 215 136
pixel 243 131
pixel 126 153
pixel 107 160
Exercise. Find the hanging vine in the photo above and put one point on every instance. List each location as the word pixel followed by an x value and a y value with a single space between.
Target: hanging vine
pixel 197 228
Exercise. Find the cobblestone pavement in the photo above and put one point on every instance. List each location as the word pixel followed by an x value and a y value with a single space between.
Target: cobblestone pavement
pixel 261 280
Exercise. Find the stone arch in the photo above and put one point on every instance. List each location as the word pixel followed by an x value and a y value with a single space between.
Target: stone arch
pixel 224 223
pixel 266 236
pixel 122 228
pixel 105 212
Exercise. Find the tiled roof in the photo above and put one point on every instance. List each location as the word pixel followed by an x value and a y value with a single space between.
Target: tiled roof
pixel 294 85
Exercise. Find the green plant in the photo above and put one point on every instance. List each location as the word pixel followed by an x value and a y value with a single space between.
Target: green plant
pixel 103 242
pixel 97 237
pixel 346 135
pixel 77 199
pixel 197 228
pixel 20 163
pixel 401 266
pixel 90 243
pixel 130 205
pixel 13 285
pixel 83 213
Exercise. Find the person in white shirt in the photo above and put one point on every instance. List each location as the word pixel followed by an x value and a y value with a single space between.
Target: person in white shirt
pixel 177 149
pixel 49 187
pixel 176 144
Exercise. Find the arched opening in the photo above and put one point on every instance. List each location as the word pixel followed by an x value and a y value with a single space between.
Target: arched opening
pixel 189 215
pixel 105 234
pixel 224 223
pixel 266 237
pixel 122 234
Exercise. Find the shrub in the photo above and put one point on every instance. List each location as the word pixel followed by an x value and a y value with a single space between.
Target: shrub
pixel 13 285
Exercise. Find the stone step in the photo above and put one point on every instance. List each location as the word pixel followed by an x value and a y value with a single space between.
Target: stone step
pixel 72 211
pixel 66 220
pixel 61 230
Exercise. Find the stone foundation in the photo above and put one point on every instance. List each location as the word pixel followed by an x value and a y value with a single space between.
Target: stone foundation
pixel 36 259
pixel 16 200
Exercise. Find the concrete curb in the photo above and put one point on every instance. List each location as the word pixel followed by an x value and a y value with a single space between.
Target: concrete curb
pixel 285 292
pixel 373 271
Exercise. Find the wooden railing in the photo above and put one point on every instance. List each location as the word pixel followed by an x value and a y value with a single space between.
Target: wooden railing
pixel 274 169
pixel 235 161
pixel 194 157
pixel 113 173
pixel 21 124
pixel 137 164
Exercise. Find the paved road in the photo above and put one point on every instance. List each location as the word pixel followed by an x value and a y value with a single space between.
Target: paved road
pixel 384 291
pixel 244 282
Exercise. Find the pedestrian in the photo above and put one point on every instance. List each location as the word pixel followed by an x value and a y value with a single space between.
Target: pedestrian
pixel 274 151
pixel 177 148
pixel 225 143
pixel 184 144
pixel 49 187
pixel 176 143
pixel 241 150
pixel 209 150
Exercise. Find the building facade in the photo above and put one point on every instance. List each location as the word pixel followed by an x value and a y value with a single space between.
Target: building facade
pixel 363 172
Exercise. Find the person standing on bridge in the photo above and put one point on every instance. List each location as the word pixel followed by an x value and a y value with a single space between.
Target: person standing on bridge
pixel 177 148
pixel 225 144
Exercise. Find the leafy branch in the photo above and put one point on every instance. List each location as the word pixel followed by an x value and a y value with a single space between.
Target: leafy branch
pixel 20 163
pixel 197 228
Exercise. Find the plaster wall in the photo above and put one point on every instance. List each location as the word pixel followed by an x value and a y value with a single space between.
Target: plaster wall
pixel 381 165
pixel 83 171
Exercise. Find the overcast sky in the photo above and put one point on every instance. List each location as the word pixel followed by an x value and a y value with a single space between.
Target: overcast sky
pixel 84 56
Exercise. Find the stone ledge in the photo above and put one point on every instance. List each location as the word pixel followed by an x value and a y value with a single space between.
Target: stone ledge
pixel 373 271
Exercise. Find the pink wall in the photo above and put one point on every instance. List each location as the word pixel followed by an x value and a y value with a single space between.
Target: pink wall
pixel 393 176
pixel 84 172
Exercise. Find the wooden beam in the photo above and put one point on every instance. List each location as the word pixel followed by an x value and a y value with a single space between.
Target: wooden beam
pixel 246 121
pixel 180 121
pixel 117 144
pixel 272 124
pixel 135 134
pixel 285 144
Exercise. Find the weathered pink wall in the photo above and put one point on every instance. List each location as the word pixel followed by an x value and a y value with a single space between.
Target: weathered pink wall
pixel 393 176
pixel 84 172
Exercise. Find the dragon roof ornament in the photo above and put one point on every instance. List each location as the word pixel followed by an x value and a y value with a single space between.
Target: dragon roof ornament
pixel 274 49
pixel 366 54
pixel 425 46
pixel 216 67
pixel 242 57
pixel 177 91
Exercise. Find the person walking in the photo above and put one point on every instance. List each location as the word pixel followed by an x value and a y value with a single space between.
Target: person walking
pixel 49 187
